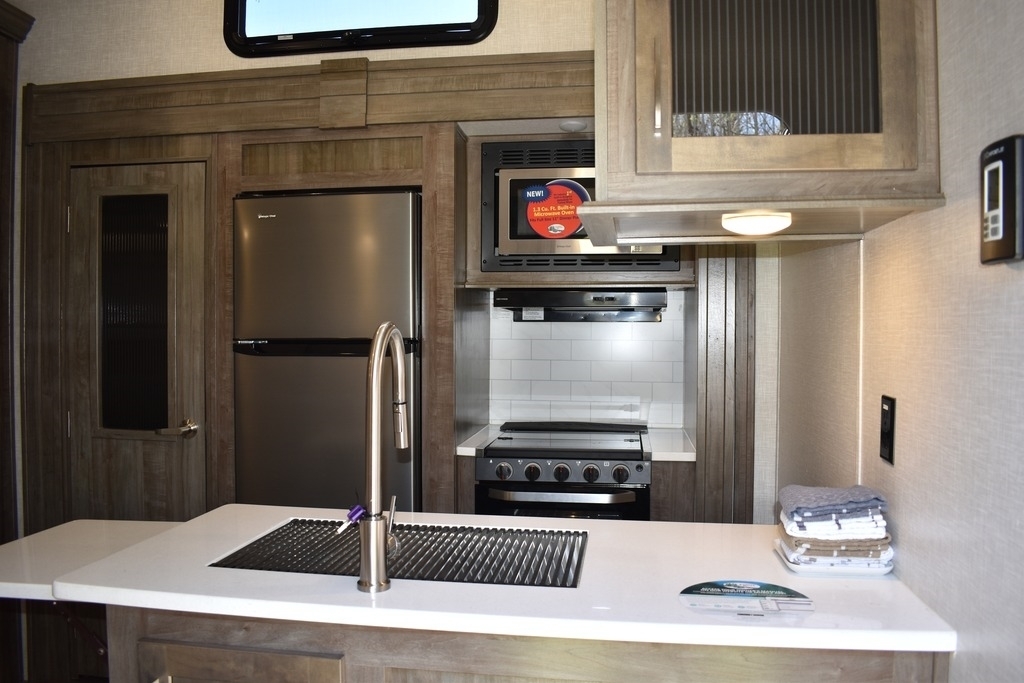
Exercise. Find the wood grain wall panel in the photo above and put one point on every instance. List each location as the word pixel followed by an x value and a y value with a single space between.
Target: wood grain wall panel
pixel 372 654
pixel 438 319
pixel 465 485
pixel 173 105
pixel 43 424
pixel 332 156
pixel 335 94
pixel 481 88
pixel 725 447
pixel 673 491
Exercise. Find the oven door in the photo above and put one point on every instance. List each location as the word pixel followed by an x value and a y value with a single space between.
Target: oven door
pixel 563 500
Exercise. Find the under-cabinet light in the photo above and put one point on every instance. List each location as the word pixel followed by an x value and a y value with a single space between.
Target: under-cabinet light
pixel 757 222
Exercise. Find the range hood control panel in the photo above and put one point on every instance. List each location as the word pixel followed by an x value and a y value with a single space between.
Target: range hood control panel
pixel 579 305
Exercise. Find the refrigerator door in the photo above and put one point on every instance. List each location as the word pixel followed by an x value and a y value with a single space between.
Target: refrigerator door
pixel 325 265
pixel 300 432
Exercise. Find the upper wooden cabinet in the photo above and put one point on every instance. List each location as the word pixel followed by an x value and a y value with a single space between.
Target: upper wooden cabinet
pixel 842 97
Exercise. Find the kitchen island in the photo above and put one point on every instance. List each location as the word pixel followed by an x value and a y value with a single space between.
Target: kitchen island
pixel 169 612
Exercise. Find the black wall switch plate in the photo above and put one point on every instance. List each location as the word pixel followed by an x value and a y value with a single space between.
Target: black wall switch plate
pixel 888 428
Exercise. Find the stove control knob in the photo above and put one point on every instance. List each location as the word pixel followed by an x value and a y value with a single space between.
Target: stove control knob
pixel 591 473
pixel 561 472
pixel 620 474
pixel 503 471
pixel 533 471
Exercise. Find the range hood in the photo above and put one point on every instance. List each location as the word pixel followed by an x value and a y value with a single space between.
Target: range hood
pixel 583 305
pixel 612 223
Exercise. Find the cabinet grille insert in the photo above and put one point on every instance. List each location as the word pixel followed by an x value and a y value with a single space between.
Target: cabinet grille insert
pixel 775 67
pixel 461 554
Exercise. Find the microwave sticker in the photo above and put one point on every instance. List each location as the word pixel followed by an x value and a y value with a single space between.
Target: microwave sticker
pixel 551 208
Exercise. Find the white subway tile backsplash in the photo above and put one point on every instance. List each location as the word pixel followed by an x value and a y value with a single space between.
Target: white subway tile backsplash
pixel 588 371
pixel 530 410
pixel 500 411
pixel 636 392
pixel 571 330
pixel 531 330
pixel 568 410
pixel 632 350
pixel 666 392
pixel 651 371
pixel 612 331
pixel 666 350
pixel 550 349
pixel 510 389
pixel 661 414
pixel 612 371
pixel 501 369
pixel 666 331
pixel 578 370
pixel 530 369
pixel 591 391
pixel 550 391
pixel 586 349
pixel 509 349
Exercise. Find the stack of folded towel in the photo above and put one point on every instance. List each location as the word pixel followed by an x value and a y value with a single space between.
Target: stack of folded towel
pixel 841 528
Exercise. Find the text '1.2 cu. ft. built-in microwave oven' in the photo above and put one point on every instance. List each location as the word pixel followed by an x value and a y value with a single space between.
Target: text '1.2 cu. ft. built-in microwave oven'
pixel 529 191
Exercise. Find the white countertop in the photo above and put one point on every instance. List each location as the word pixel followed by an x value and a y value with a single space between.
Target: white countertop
pixel 666 444
pixel 629 588
pixel 29 566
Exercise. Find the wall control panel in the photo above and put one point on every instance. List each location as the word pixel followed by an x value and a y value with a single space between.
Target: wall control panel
pixel 888 430
pixel 1002 200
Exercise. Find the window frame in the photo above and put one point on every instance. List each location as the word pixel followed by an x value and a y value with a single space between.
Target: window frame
pixel 370 38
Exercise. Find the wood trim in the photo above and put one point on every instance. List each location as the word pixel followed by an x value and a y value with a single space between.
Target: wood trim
pixel 8 123
pixel 725 384
pixel 14 24
pixel 348 93
pixel 672 491
pixel 438 319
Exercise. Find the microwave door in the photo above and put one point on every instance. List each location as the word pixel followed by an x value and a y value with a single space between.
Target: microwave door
pixel 537 213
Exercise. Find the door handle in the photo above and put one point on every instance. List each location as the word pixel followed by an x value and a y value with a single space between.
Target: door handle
pixel 562 497
pixel 188 429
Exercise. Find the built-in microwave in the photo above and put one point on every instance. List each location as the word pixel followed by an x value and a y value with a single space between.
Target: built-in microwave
pixel 529 194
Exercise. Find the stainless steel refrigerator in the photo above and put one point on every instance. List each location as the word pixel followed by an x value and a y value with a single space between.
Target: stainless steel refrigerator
pixel 314 276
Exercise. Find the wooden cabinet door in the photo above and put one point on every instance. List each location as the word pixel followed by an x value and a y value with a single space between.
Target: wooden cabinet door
pixel 133 341
pixel 650 158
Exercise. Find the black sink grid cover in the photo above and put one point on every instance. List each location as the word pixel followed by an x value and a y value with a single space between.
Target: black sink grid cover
pixel 462 554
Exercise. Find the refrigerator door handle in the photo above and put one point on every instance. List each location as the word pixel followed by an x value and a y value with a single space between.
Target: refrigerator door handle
pixel 188 429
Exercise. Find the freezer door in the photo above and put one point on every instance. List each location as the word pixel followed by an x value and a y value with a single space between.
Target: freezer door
pixel 326 265
pixel 299 432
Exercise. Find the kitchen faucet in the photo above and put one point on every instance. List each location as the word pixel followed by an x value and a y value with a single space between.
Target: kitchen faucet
pixel 373 528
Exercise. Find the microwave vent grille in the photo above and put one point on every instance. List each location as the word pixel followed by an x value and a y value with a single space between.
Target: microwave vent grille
pixel 585 262
pixel 540 157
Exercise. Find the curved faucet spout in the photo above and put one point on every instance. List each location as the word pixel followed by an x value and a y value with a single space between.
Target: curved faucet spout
pixel 373 573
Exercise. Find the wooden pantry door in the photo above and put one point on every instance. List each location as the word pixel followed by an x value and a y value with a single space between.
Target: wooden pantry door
pixel 133 341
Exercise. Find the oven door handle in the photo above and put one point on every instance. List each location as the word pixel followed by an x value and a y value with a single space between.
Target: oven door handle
pixel 562 497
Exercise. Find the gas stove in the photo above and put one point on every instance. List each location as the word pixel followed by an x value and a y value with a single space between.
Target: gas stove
pixel 597 453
